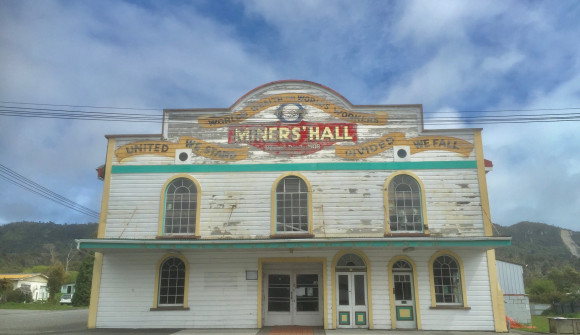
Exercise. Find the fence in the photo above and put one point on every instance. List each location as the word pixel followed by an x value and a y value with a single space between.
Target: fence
pixel 566 307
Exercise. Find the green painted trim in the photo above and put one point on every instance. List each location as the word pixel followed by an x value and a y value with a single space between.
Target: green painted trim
pixel 295 167
pixel 347 321
pixel 408 308
pixel 144 244
pixel 364 320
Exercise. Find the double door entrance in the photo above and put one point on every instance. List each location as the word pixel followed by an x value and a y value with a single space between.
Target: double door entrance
pixel 352 300
pixel 293 294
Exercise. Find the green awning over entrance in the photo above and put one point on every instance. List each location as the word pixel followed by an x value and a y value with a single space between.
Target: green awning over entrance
pixel 387 242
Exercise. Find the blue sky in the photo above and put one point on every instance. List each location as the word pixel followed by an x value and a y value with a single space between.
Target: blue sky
pixel 450 56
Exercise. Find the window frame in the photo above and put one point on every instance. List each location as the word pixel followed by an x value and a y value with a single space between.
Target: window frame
pixel 274 208
pixel 413 270
pixel 162 208
pixel 156 305
pixel 388 232
pixel 446 305
pixel 334 284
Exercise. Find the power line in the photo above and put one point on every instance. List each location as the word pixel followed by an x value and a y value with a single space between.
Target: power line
pixel 68 114
pixel 27 184
pixel 79 106
pixel 51 113
pixel 161 109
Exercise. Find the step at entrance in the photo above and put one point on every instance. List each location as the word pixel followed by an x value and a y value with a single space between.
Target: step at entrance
pixel 294 330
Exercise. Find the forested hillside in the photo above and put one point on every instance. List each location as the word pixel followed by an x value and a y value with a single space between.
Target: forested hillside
pixel 27 244
pixel 538 247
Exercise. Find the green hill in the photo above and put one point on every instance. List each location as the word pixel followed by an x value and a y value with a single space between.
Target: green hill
pixel 27 244
pixel 538 247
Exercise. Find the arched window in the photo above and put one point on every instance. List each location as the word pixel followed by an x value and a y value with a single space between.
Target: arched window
pixel 172 275
pixel 405 207
pixel 402 265
pixel 351 263
pixel 447 280
pixel 292 205
pixel 181 205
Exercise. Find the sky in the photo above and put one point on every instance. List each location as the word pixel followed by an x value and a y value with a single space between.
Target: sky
pixel 457 58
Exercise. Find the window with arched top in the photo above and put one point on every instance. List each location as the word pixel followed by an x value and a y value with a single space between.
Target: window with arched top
pixel 402 265
pixel 405 207
pixel 181 207
pixel 447 280
pixel 172 281
pixel 351 262
pixel 292 205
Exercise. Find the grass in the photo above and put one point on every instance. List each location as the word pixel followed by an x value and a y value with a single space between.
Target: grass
pixel 37 306
pixel 541 323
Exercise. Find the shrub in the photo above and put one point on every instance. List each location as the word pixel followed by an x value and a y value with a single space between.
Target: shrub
pixel 19 296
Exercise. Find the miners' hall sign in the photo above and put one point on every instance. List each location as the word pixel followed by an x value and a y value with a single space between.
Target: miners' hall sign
pixel 285 131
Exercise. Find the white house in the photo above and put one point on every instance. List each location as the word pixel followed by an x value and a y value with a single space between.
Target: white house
pixel 295 207
pixel 68 288
pixel 35 283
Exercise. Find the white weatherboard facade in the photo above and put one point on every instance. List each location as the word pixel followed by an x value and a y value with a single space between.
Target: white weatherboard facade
pixel 294 207
pixel 33 283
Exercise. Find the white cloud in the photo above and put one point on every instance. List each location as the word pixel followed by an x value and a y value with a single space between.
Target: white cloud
pixel 444 118
pixel 433 22
pixel 445 74
pixel 503 62
pixel 536 174
pixel 105 56
pixel 449 56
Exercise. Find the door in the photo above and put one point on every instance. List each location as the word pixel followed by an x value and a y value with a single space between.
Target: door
pixel 352 300
pixel 293 298
pixel 404 300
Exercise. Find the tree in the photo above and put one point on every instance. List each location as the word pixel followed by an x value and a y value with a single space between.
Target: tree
pixel 82 296
pixel 557 285
pixel 72 252
pixel 71 277
pixel 543 291
pixel 5 289
pixel 567 280
pixel 55 280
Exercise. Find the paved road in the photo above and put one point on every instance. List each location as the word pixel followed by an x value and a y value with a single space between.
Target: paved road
pixel 14 321
pixel 74 322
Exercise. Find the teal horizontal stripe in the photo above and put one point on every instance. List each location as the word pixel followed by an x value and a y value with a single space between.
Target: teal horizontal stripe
pixel 295 167
pixel 284 245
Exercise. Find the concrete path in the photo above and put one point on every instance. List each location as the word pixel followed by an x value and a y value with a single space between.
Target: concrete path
pixel 266 331
pixel 74 322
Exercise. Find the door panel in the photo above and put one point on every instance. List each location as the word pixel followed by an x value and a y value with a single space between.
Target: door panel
pixel 343 290
pixel 292 298
pixel 360 297
pixel 404 300
pixel 307 293
pixel 279 293
pixel 352 300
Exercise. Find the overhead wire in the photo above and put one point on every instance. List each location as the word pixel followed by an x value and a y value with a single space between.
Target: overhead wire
pixel 27 184
pixel 8 109
pixel 485 117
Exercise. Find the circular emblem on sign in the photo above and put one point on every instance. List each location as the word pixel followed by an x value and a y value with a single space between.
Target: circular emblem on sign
pixel 290 113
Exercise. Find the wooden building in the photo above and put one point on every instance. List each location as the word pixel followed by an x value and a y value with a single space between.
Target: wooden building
pixel 295 207
pixel 34 284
